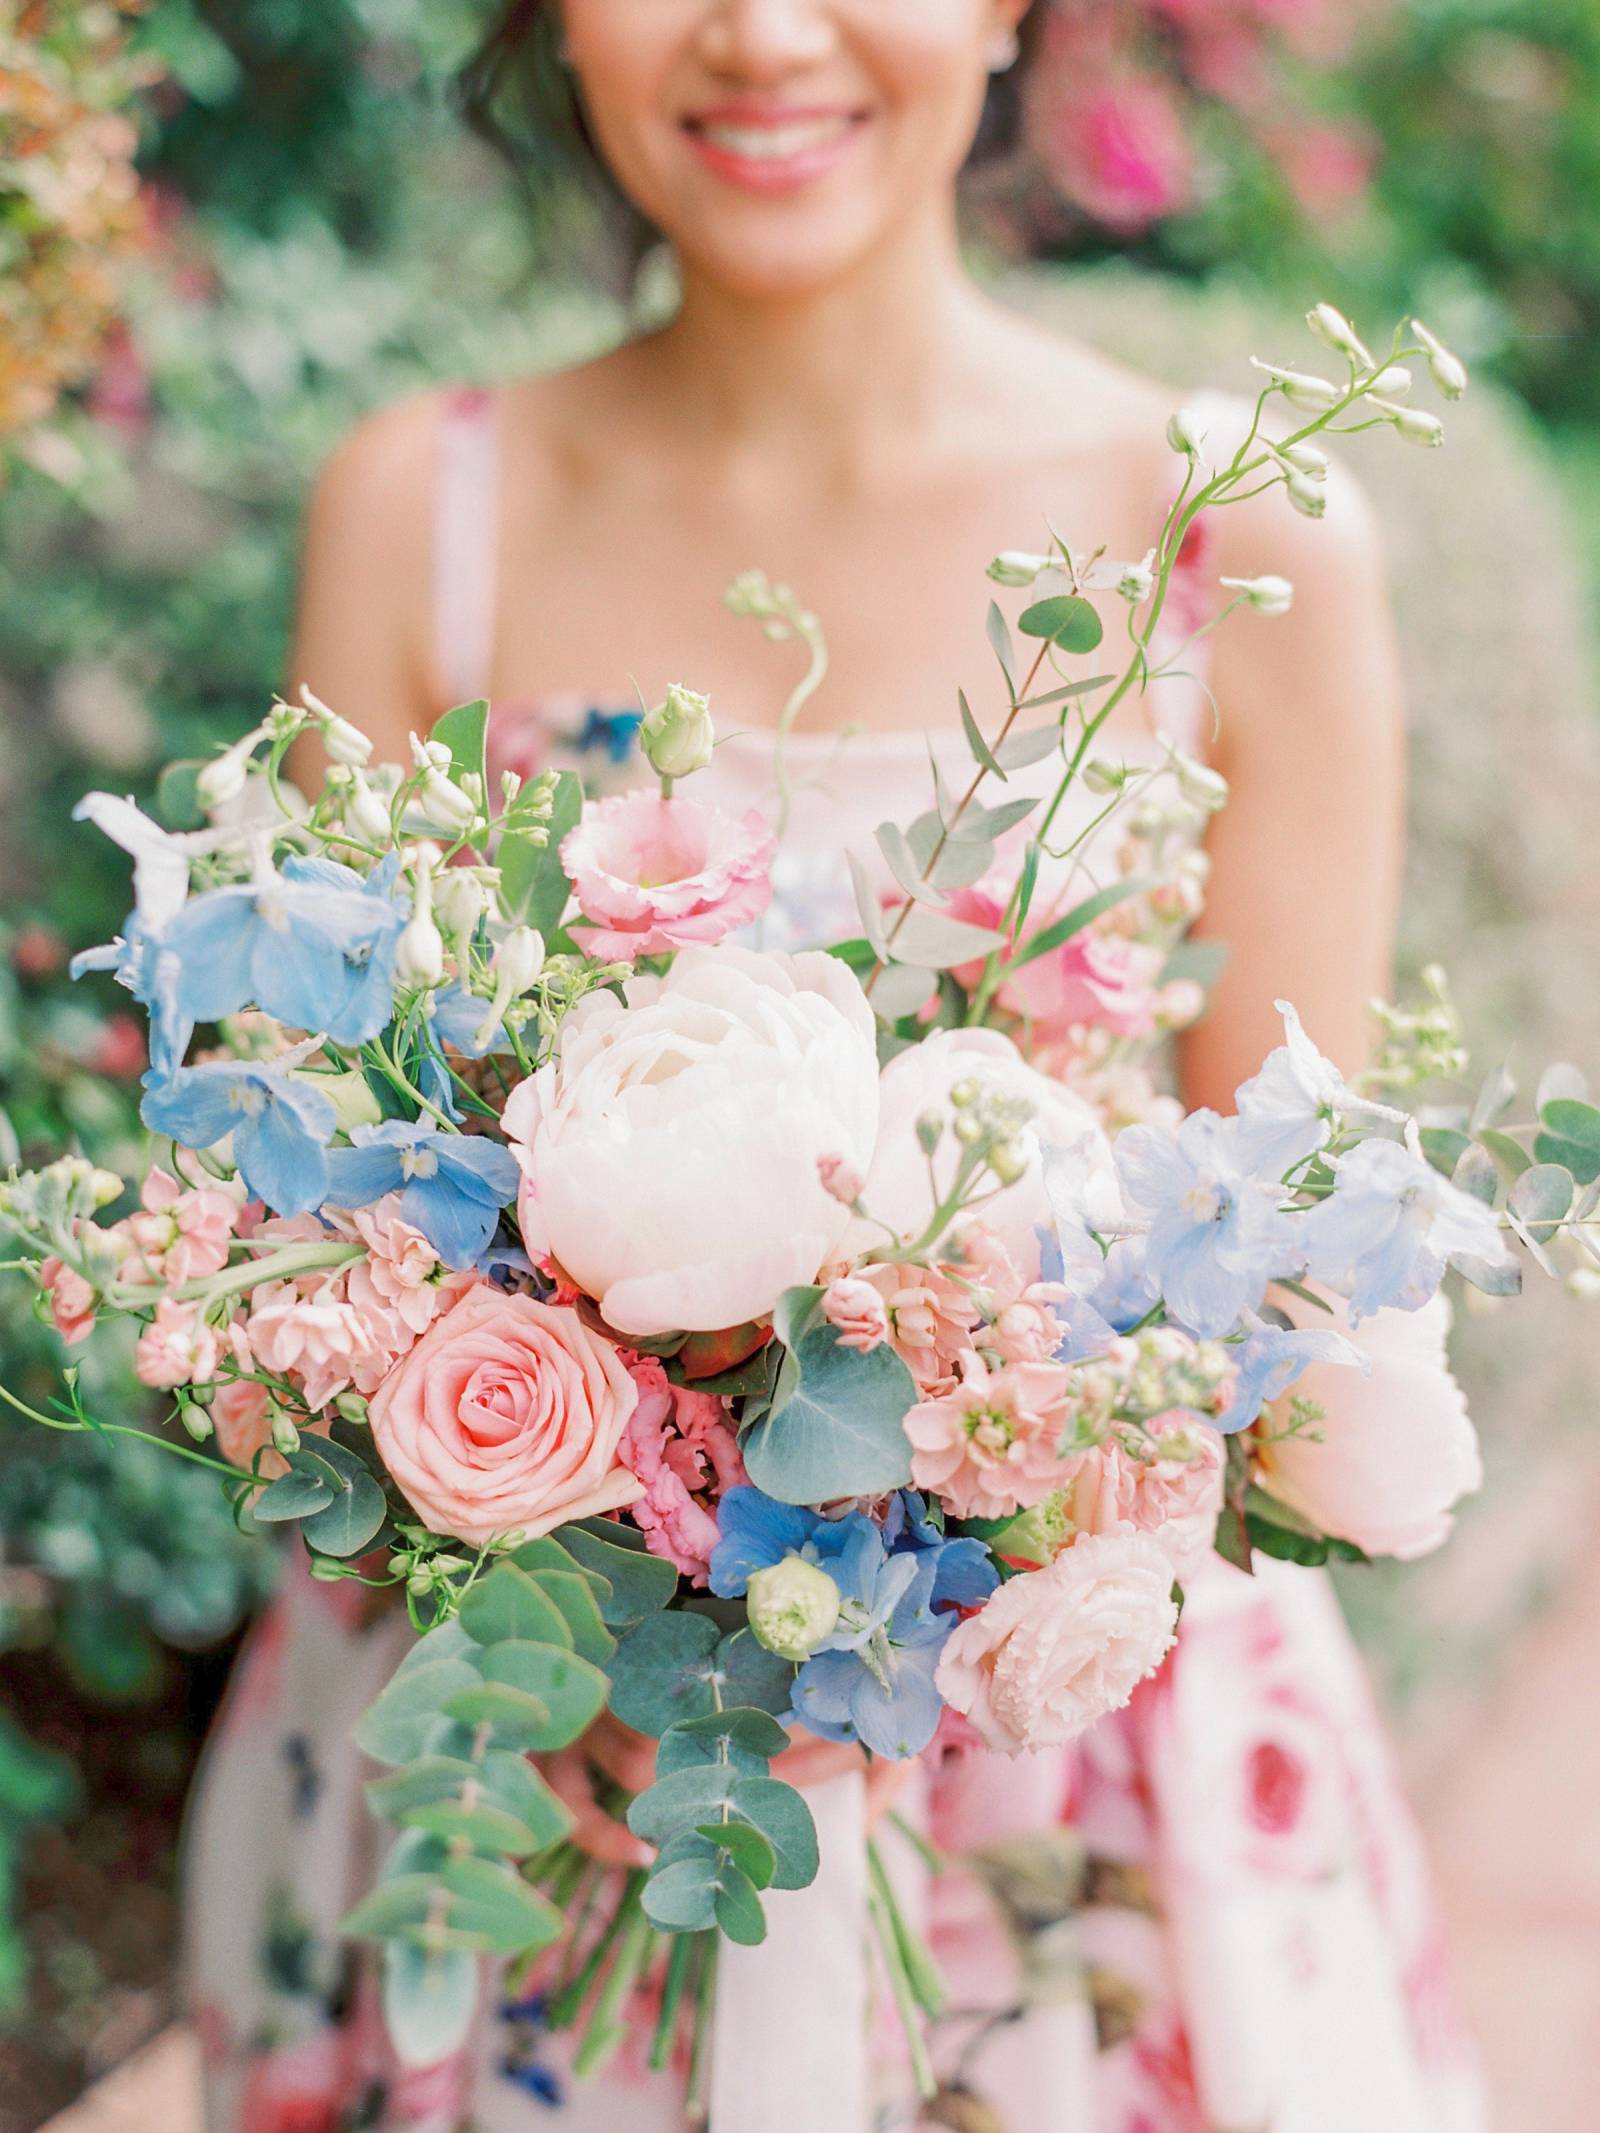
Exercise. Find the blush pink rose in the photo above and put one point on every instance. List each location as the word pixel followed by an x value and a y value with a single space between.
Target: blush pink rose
pixel 1055 1649
pixel 1176 1499
pixel 652 875
pixel 857 1313
pixel 506 1416
pixel 988 1447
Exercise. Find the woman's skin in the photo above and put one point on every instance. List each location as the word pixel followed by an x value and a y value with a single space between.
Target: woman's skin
pixel 837 404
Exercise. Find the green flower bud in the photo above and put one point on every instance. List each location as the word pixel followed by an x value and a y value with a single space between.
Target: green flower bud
pixel 1015 568
pixel 930 1131
pixel 677 735
pixel 351 1407
pixel 1008 1161
pixel 793 1605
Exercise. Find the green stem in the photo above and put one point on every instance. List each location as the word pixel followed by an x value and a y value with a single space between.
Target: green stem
pixel 696 2100
pixel 120 1429
pixel 683 1949
pixel 922 1972
pixel 905 2001
pixel 566 2006
pixel 608 2026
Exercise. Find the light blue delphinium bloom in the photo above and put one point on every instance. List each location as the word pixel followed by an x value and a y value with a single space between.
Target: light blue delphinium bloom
pixel 313 946
pixel 1391 1226
pixel 872 1680
pixel 964 1573
pixel 1290 1108
pixel 280 1127
pixel 755 1531
pixel 1271 1358
pixel 1126 1295
pixel 138 962
pixel 452 1186
pixel 1218 1235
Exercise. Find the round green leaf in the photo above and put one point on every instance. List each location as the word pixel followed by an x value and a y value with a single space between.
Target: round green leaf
pixel 738 1908
pixel 507 1605
pixel 429 2000
pixel 495 1902
pixel 400 1725
pixel 662 1671
pixel 681 1897
pixel 745 1846
pixel 1065 620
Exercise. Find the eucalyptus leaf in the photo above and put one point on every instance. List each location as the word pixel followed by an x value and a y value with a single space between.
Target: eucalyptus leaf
pixel 397 1728
pixel 638 1584
pixel 902 864
pixel 869 908
pixel 837 1428
pixel 685 1801
pixel 351 1522
pixel 902 989
pixel 1064 619
pixel 1561 1081
pixel 931 940
pixel 739 1911
pixel 570 1690
pixel 1475 1173
pixel 681 1895
pixel 1509 1153
pixel 573 1594
pixel 982 754
pixel 1495 1098
pixel 744 1738
pixel 430 1998
pixel 1018 750
pixel 297 1494
pixel 1542 1198
pixel 746 1846
pixel 1000 644
pixel 982 825
pixel 482 1825
pixel 662 1671
pixel 1444 1146
pixel 751 1675
pixel 494 1902
pixel 784 1819
pixel 1085 687
pixel 509 1604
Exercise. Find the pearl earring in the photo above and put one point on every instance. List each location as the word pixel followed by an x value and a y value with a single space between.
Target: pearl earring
pixel 1005 51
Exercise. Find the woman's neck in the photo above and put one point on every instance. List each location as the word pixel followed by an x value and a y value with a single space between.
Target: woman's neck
pixel 839 371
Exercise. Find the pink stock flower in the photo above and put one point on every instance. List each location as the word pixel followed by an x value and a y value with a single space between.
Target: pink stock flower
pixel 181 1233
pixel 71 1301
pixel 856 1311
pixel 988 1447
pixel 931 1320
pixel 319 1342
pixel 1055 1649
pixel 240 1417
pixel 507 1416
pixel 652 875
pixel 1175 1499
pixel 177 1348
pixel 684 1452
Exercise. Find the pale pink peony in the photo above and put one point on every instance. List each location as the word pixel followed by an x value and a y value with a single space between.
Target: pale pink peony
pixel 71 1301
pixel 180 1233
pixel 1397 1447
pixel 1176 1499
pixel 856 1311
pixel 684 1451
pixel 988 1447
pixel 1055 1649
pixel 507 1416
pixel 177 1348
pixel 653 875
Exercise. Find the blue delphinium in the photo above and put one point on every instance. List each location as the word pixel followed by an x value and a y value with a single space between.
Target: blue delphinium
pixel 452 1186
pixel 1391 1226
pixel 1218 1234
pixel 138 961
pixel 280 1127
pixel 313 946
pixel 1271 1358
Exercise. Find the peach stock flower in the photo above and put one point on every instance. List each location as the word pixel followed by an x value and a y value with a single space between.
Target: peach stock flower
pixel 654 874
pixel 507 1416
pixel 71 1301
pixel 1176 1499
pixel 988 1447
pixel 857 1313
pixel 177 1347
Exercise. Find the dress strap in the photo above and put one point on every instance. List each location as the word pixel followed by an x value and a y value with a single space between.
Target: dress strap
pixel 466 522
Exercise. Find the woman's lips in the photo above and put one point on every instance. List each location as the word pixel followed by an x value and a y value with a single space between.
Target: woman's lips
pixel 776 152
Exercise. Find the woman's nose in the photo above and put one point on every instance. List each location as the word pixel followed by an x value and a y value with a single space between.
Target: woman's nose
pixel 765 40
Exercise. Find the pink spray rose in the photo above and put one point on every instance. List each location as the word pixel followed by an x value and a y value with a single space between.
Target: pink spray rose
pixel 1055 1649
pixel 856 1311
pixel 653 875
pixel 507 1416
pixel 988 1448
pixel 1176 1499
pixel 685 1452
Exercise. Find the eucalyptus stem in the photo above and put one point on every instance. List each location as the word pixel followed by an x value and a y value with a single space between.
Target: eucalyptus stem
pixel 566 2006
pixel 696 2100
pixel 905 1999
pixel 922 1972
pixel 678 1962
pixel 607 2025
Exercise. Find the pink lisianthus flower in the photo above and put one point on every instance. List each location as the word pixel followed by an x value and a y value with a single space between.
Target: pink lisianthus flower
pixel 682 1449
pixel 1175 1498
pixel 180 1233
pixel 1097 978
pixel 71 1301
pixel 507 1417
pixel 988 1448
pixel 177 1347
pixel 1055 1649
pixel 857 1313
pixel 652 875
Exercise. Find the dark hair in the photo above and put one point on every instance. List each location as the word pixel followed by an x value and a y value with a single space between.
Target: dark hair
pixel 520 97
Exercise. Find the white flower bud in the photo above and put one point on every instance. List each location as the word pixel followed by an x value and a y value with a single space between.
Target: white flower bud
pixel 1200 785
pixel 445 806
pixel 1268 595
pixel 1449 372
pixel 1413 424
pixel 1299 387
pixel 285 1436
pixel 351 1406
pixel 1103 777
pixel 353 1101
pixel 1008 1161
pixel 794 1606
pixel 459 902
pixel 1395 382
pixel 224 777
pixel 1335 331
pixel 344 742
pixel 104 1187
pixel 677 734
pixel 430 755
pixel 510 785
pixel 1016 568
pixel 419 952
pixel 1186 433
pixel 1309 497
pixel 1137 581
pixel 1304 458
pixel 520 960
pixel 365 812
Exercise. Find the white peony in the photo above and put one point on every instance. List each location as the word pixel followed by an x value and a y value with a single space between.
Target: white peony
pixel 669 1149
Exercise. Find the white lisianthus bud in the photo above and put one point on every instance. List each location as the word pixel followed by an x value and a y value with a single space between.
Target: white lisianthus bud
pixel 1137 581
pixel 224 777
pixel 1335 331
pixel 1299 387
pixel 1304 458
pixel 365 811
pixel 520 960
pixel 794 1606
pixel 1186 433
pixel 1394 382
pixel 1413 424
pixel 1268 595
pixel 1449 372
pixel 1309 497
pixel 460 902
pixel 1016 568
pixel 677 735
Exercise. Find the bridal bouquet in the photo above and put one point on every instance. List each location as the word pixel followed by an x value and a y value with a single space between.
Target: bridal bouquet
pixel 853 1341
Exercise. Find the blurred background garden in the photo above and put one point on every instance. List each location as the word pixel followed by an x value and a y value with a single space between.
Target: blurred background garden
pixel 230 227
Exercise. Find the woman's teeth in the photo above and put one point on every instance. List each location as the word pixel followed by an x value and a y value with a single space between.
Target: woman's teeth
pixel 772 144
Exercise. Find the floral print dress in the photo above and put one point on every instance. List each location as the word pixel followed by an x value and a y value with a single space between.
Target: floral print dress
pixel 1209 1915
